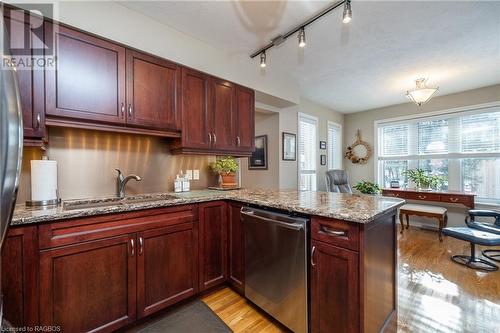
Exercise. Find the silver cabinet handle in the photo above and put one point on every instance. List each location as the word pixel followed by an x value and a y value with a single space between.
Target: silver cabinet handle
pixel 132 247
pixel 312 256
pixel 215 138
pixel 122 109
pixel 38 120
pixel 294 226
pixel 238 140
pixel 210 137
pixel 141 245
pixel 331 232
pixel 130 110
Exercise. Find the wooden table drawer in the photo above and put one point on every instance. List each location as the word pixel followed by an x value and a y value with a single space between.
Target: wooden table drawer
pixel 423 196
pixel 459 199
pixel 335 232
pixel 395 194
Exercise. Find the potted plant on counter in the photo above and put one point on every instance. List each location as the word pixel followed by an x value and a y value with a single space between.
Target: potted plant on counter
pixel 367 187
pixel 226 168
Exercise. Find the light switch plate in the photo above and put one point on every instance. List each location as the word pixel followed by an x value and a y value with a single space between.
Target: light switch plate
pixel 189 174
pixel 196 174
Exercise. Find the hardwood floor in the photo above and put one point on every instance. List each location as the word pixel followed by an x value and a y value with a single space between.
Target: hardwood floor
pixel 435 294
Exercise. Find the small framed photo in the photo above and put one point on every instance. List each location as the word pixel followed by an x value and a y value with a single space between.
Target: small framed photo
pixel 258 160
pixel 322 160
pixel 322 145
pixel 289 147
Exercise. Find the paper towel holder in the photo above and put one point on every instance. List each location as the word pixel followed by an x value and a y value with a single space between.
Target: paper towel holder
pixel 44 203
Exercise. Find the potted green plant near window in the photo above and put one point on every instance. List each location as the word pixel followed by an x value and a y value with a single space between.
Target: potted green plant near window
pixel 423 181
pixel 226 168
pixel 367 187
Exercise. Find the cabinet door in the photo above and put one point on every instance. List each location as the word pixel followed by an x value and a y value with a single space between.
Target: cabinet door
pixel 89 286
pixel 213 250
pixel 167 267
pixel 334 289
pixel 88 82
pixel 24 43
pixel 236 271
pixel 245 122
pixel 223 115
pixel 19 277
pixel 196 124
pixel 152 88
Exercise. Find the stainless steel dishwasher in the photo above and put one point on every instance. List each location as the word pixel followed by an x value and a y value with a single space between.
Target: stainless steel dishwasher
pixel 276 265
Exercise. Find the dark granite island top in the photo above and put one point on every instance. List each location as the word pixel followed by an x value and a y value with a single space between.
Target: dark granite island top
pixel 348 207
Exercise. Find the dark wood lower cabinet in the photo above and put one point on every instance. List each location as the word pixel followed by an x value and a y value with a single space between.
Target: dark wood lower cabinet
pixel 167 266
pixel 213 249
pixel 236 247
pixel 334 289
pixel 90 286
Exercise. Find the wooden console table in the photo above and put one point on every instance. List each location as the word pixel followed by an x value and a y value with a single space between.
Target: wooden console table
pixel 466 199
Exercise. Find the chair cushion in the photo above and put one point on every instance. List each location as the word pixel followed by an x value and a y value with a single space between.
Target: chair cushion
pixel 424 208
pixel 473 235
pixel 485 227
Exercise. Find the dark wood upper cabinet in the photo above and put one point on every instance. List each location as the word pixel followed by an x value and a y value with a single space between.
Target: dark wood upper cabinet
pixel 153 85
pixel 88 81
pixel 236 246
pixel 223 115
pixel 25 43
pixel 167 266
pixel 334 289
pixel 245 121
pixel 89 286
pixel 213 250
pixel 195 110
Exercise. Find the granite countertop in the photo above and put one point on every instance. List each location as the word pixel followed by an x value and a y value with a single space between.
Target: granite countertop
pixel 349 207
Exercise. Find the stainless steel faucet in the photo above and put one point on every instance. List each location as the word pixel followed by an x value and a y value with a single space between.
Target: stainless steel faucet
pixel 121 181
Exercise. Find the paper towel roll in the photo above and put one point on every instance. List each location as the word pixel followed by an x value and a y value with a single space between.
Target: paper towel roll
pixel 43 180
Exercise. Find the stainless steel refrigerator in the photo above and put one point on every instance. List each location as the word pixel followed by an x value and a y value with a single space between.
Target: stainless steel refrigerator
pixel 11 141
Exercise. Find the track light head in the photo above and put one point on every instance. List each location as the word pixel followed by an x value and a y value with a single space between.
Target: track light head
pixel 263 59
pixel 347 16
pixel 302 37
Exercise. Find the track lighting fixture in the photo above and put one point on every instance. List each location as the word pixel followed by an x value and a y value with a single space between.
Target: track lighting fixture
pixel 347 16
pixel 302 37
pixel 263 59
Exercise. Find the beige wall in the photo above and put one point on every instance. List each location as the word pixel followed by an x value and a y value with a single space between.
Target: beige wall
pixel 365 121
pixel 289 122
pixel 265 124
pixel 87 159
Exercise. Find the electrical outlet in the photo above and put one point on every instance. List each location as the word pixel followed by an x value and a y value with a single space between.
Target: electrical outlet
pixel 196 174
pixel 189 174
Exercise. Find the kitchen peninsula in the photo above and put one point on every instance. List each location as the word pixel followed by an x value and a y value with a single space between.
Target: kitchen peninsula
pixel 103 264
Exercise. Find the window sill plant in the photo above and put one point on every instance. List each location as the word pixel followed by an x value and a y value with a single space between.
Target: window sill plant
pixel 226 168
pixel 424 181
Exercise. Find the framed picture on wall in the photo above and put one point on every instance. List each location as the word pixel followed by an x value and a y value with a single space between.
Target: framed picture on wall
pixel 322 159
pixel 258 160
pixel 289 146
pixel 322 145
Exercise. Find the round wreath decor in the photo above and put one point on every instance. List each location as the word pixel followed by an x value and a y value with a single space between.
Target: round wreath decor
pixel 351 155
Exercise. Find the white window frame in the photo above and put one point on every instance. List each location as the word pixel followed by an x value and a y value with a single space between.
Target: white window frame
pixel 316 120
pixel 466 110
pixel 330 124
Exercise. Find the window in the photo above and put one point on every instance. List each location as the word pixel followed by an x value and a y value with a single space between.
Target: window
pixel 334 146
pixel 463 147
pixel 308 128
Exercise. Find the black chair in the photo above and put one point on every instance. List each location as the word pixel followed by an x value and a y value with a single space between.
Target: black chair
pixel 337 181
pixel 488 227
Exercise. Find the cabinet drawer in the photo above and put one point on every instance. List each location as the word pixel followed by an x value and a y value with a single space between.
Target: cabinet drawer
pixel 423 196
pixel 97 227
pixel 459 199
pixel 335 232
pixel 395 194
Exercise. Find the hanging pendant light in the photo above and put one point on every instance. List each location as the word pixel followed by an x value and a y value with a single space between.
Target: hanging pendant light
pixel 421 94
pixel 263 59
pixel 302 37
pixel 347 16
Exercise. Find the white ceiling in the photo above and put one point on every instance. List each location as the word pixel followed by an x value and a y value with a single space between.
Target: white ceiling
pixel 367 64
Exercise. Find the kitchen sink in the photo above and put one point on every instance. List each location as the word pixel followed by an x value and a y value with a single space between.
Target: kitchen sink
pixel 114 201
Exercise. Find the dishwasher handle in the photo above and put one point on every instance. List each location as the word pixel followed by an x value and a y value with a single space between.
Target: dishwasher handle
pixel 251 213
